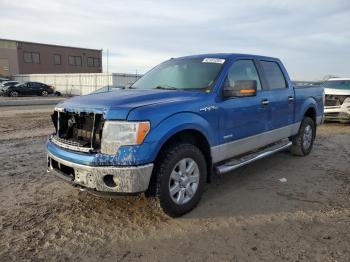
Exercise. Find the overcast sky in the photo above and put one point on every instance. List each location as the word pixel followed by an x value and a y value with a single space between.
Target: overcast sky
pixel 311 37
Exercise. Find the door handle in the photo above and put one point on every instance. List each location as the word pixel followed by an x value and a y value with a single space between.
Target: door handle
pixel 290 98
pixel 265 102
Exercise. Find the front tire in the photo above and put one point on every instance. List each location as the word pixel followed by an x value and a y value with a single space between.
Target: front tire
pixel 44 93
pixel 14 93
pixel 304 140
pixel 180 179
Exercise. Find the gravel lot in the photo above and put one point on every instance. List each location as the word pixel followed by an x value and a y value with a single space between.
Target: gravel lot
pixel 247 215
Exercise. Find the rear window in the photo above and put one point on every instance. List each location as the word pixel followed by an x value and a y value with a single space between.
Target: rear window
pixel 273 75
pixel 338 84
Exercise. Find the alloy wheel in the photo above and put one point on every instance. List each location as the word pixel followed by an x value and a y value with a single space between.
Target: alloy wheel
pixel 184 180
pixel 307 137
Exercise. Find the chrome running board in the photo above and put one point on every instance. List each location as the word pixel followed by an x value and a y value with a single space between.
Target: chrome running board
pixel 234 163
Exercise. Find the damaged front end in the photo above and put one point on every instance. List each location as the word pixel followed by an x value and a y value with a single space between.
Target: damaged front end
pixel 80 131
pixel 337 108
pixel 74 155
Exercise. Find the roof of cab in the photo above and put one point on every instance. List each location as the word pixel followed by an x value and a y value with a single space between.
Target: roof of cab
pixel 227 56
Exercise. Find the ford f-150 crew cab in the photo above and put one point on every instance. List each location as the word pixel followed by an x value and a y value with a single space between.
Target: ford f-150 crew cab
pixel 184 120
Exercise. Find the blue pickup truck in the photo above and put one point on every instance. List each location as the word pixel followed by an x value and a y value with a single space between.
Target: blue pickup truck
pixel 183 121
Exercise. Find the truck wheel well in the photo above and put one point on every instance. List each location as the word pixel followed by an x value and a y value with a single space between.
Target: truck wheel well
pixel 190 136
pixel 311 112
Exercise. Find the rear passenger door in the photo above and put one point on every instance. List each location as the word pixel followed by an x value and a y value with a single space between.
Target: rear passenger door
pixel 280 95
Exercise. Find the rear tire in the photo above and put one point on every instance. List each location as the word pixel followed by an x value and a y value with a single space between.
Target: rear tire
pixel 180 179
pixel 304 140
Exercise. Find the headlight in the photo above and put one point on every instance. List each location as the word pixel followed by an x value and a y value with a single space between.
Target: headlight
pixel 122 133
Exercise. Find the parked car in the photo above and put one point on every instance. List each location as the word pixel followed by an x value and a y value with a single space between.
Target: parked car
pixel 5 85
pixel 29 89
pixel 182 122
pixel 3 79
pixel 337 100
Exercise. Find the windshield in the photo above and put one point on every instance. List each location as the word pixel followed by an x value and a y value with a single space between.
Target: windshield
pixel 10 83
pixel 338 84
pixel 184 74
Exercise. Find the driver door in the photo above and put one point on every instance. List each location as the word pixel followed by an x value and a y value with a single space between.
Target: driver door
pixel 24 89
pixel 242 119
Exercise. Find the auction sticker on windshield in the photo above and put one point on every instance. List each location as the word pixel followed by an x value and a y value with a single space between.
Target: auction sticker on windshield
pixel 213 60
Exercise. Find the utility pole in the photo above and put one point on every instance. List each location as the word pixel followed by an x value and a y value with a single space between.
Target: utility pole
pixel 107 60
pixel 107 68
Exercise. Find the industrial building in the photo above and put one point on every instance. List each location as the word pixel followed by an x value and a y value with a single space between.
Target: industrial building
pixel 20 57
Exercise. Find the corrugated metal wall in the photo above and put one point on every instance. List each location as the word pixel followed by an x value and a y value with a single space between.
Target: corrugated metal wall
pixel 80 84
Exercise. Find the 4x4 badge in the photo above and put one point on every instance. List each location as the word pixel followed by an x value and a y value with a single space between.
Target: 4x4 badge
pixel 208 108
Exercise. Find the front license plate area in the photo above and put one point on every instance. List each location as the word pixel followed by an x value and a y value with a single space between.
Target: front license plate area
pixel 85 178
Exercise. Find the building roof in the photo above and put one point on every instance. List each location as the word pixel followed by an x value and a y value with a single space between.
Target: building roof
pixel 27 42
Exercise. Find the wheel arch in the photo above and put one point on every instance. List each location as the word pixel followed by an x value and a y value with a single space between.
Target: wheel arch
pixel 308 107
pixel 311 112
pixel 188 135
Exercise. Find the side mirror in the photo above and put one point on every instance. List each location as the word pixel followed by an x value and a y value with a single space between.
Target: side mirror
pixel 241 88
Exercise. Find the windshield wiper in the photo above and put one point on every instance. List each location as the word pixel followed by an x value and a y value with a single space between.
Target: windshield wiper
pixel 166 87
pixel 206 89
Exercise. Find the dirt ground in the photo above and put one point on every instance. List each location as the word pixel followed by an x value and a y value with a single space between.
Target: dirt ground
pixel 247 215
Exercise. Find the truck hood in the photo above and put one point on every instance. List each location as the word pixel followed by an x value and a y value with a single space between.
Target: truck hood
pixel 117 104
pixel 333 91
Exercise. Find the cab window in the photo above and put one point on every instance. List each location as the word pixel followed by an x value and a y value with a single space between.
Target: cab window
pixel 273 74
pixel 243 70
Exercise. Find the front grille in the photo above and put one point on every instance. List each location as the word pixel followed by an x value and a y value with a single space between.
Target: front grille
pixel 334 100
pixel 78 131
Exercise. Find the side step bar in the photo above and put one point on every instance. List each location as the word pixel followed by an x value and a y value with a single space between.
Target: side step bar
pixel 246 159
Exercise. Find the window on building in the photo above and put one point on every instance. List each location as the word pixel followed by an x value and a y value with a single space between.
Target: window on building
pixel 36 58
pixel 78 60
pixel 74 60
pixel 27 56
pixel 90 61
pixel 31 57
pixel 57 59
pixel 96 62
pixel 274 75
pixel 93 62
pixel 71 60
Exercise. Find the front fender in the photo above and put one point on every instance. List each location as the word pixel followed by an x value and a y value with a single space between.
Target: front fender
pixel 177 123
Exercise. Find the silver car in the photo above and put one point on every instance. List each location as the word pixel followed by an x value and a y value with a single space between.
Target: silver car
pixel 337 100
pixel 6 84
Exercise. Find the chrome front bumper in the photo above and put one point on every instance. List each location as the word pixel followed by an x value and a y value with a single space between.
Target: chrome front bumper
pixel 102 179
pixel 338 113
